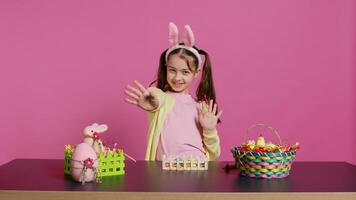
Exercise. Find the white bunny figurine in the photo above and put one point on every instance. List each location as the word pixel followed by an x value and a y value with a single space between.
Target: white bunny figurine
pixel 91 136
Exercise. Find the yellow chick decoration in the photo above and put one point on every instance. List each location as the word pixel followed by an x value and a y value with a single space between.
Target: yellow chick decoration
pixel 260 142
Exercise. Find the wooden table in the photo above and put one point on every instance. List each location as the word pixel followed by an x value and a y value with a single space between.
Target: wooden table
pixel 44 179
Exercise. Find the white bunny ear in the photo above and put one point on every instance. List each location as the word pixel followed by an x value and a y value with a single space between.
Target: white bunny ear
pixel 101 128
pixel 189 38
pixel 173 34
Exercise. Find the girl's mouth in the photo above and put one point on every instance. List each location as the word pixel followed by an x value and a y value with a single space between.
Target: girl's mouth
pixel 178 84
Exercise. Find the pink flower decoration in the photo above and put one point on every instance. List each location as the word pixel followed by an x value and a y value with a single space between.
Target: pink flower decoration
pixel 88 163
pixel 96 136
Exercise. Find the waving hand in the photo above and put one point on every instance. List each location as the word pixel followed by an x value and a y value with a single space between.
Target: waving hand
pixel 140 96
pixel 208 116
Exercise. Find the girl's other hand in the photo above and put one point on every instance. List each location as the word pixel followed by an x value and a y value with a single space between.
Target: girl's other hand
pixel 208 116
pixel 141 97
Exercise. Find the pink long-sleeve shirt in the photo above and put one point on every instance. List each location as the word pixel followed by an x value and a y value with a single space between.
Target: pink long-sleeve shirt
pixel 181 132
pixel 157 120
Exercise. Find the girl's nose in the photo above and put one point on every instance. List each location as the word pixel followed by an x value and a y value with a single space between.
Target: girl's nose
pixel 177 77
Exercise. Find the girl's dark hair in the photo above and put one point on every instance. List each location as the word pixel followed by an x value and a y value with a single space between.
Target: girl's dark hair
pixel 205 90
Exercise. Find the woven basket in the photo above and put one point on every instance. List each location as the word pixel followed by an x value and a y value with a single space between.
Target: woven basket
pixel 263 164
pixel 110 164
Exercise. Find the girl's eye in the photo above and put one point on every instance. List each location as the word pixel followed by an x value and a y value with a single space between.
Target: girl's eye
pixel 171 70
pixel 186 72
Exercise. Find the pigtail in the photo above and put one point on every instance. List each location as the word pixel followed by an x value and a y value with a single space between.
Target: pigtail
pixel 161 81
pixel 206 88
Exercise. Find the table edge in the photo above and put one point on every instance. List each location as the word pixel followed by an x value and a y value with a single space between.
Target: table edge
pixel 23 194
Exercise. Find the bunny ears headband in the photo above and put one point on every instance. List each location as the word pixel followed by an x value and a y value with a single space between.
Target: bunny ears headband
pixel 188 40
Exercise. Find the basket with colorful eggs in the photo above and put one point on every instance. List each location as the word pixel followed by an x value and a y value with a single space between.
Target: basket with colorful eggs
pixel 91 160
pixel 264 160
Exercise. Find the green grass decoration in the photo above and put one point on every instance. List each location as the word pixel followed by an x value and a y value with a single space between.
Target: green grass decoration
pixel 110 164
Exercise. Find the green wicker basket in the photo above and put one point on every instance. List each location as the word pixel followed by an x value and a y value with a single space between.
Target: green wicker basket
pixel 110 164
pixel 263 164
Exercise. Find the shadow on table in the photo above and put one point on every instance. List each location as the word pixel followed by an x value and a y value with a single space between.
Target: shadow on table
pixel 246 184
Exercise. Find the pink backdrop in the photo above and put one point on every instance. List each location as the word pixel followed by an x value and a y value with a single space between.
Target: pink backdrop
pixel 64 65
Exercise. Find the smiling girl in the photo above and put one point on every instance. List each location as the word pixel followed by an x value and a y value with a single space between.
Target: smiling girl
pixel 178 123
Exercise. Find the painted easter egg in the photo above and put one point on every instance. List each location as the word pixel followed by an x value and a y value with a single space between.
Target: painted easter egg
pixel 84 162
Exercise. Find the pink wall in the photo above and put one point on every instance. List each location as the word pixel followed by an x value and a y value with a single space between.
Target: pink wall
pixel 64 65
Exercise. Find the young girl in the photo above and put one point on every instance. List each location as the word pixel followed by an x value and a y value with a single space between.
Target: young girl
pixel 178 124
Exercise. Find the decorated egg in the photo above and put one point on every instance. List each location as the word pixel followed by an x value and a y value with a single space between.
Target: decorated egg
pixel 270 147
pixel 84 163
pixel 250 145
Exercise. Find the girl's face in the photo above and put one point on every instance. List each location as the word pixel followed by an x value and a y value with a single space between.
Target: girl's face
pixel 179 76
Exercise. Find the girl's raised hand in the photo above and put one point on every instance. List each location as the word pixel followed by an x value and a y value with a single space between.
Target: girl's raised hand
pixel 141 97
pixel 208 116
